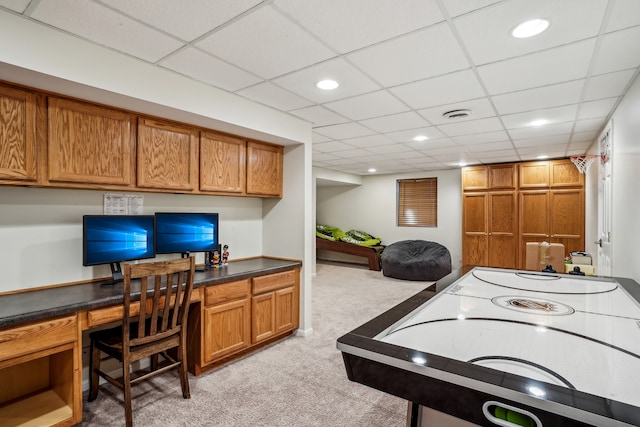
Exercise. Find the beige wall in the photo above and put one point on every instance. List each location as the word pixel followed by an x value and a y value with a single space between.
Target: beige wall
pixel 371 207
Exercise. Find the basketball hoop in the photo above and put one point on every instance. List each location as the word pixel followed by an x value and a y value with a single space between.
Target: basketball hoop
pixel 583 162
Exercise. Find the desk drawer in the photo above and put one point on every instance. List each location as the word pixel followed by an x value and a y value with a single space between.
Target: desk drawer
pixel 114 313
pixel 217 294
pixel 32 337
pixel 271 282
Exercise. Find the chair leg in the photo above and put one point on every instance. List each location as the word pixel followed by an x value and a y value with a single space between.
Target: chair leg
pixel 184 374
pixel 126 383
pixel 94 367
pixel 154 362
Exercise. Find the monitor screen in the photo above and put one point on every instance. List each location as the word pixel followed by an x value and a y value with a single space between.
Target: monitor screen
pixel 186 232
pixel 110 239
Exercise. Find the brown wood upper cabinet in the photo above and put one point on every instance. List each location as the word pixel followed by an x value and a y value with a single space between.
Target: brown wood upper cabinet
pixel 223 164
pixel 552 173
pixel 17 135
pixel 490 177
pixel 264 169
pixel 167 156
pixel 89 144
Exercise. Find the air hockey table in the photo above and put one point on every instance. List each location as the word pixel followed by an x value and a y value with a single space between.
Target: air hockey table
pixel 509 348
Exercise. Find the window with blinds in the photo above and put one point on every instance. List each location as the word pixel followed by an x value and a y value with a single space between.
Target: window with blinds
pixel 417 202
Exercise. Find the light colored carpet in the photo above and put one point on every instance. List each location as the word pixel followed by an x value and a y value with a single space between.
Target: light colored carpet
pixel 297 382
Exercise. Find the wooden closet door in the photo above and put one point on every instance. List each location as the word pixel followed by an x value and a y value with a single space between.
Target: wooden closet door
pixel 534 219
pixel 475 229
pixel 566 219
pixel 503 230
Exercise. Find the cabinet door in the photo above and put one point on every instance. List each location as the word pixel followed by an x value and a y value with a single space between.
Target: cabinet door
pixel 475 178
pixel 534 219
pixel 17 135
pixel 566 219
pixel 167 156
pixel 264 169
pixel 502 176
pixel 475 229
pixel 263 317
pixel 565 174
pixel 222 163
pixel 286 317
pixel 226 329
pixel 534 175
pixel 503 230
pixel 89 144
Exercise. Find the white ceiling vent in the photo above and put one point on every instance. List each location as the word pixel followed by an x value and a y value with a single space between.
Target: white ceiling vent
pixel 457 114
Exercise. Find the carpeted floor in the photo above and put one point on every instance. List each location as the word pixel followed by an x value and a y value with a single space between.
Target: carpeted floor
pixel 297 382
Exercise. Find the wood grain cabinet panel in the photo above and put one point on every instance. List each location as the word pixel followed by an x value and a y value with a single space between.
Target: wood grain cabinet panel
pixel 264 169
pixel 89 144
pixel 563 173
pixel 475 178
pixel 223 164
pixel 475 229
pixel 227 329
pixel 263 317
pixel 534 174
pixel 18 157
pixel 503 176
pixel 167 156
pixel 503 229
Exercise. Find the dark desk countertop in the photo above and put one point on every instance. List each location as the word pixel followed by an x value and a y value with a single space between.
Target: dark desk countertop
pixel 45 303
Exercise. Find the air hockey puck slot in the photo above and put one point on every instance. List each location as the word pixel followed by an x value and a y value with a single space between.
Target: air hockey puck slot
pixel 508 416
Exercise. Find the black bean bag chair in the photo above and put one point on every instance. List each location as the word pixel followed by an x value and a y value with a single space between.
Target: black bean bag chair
pixel 416 260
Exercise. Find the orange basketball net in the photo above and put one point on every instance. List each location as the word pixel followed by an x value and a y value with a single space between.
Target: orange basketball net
pixel 583 162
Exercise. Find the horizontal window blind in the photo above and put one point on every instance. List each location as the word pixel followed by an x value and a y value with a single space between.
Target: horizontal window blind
pixel 417 202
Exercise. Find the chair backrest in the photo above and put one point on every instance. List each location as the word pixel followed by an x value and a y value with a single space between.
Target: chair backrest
pixel 165 289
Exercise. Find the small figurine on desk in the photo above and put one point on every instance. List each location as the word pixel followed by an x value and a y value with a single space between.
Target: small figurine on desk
pixel 215 259
pixel 225 255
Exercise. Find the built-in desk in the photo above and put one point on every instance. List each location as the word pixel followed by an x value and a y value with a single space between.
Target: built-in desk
pixel 41 332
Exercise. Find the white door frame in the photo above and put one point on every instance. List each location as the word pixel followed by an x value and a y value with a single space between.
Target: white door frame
pixel 605 202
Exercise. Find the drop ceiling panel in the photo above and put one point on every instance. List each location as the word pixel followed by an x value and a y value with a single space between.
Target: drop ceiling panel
pixel 553 115
pixel 547 140
pixel 541 97
pixel 486 32
pixel 442 90
pixel 482 138
pixel 186 20
pixel 595 109
pixel 460 7
pixel 395 122
pixel 274 96
pixel 205 68
pixel 491 146
pixel 416 56
pixel 266 44
pixel 608 85
pixel 343 131
pixel 618 51
pixel 625 13
pixel 374 104
pixel 369 141
pixel 15 5
pixel 410 134
pixel 106 27
pixel 471 127
pixel 541 131
pixel 589 125
pixel 319 116
pixel 353 24
pixel 552 66
pixel 352 82
pixel 334 147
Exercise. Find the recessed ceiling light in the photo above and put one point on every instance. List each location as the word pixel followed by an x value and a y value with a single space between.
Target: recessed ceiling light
pixel 372 170
pixel 462 164
pixel 542 156
pixel 420 138
pixel 327 84
pixel 539 122
pixel 530 28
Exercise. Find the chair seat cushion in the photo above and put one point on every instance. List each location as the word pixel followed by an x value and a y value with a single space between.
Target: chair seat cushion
pixel 416 260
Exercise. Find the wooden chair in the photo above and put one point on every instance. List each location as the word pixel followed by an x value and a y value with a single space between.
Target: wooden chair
pixel 159 325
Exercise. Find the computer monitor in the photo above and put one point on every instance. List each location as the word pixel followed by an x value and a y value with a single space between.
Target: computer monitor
pixel 112 239
pixel 186 232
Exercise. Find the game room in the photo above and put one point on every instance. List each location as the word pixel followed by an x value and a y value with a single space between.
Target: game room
pixel 137 110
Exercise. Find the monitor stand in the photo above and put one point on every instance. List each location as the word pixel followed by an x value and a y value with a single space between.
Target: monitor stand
pixel 198 268
pixel 116 274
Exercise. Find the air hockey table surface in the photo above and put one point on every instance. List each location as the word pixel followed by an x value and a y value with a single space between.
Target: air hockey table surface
pixel 564 349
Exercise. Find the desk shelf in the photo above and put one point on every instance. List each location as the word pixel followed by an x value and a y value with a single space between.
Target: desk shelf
pixel 43 409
